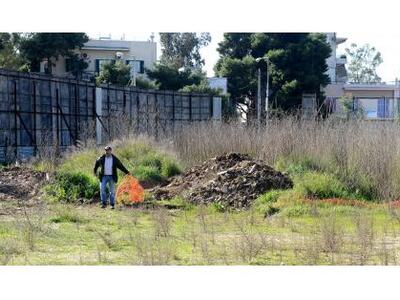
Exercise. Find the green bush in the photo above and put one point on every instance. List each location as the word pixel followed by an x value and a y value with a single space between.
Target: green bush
pixel 144 173
pixel 360 185
pixel 72 186
pixel 170 168
pixel 268 197
pixel 346 183
pixel 154 166
pixel 320 185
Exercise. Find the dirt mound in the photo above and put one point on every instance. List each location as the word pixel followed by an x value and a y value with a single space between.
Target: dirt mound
pixel 233 180
pixel 20 183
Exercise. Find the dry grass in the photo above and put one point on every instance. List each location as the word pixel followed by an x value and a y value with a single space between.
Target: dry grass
pixel 365 154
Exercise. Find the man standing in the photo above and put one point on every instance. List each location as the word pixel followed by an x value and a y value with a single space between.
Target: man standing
pixel 108 164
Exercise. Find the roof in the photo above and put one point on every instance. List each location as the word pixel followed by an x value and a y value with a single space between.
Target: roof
pixel 107 44
pixel 369 86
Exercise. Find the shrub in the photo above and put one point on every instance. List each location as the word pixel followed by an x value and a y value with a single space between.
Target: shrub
pixel 360 185
pixel 143 173
pixel 170 168
pixel 268 197
pixel 320 185
pixel 72 186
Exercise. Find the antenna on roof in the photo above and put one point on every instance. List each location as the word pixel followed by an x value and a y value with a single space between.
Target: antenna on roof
pixel 152 37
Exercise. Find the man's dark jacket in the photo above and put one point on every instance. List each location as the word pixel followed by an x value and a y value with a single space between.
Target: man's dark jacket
pixel 116 164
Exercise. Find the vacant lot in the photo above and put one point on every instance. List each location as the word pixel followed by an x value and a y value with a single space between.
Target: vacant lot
pixel 342 209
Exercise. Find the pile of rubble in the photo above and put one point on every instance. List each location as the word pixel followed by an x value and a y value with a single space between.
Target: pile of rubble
pixel 20 183
pixel 233 180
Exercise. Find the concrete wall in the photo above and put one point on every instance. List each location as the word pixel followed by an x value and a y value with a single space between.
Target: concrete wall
pixel 334 90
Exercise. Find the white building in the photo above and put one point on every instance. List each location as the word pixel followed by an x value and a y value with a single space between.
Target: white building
pixel 140 55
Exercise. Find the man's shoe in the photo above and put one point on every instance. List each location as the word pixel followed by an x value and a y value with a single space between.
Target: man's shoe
pixel 112 207
pixel 103 206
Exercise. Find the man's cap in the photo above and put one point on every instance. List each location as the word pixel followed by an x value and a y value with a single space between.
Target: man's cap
pixel 108 147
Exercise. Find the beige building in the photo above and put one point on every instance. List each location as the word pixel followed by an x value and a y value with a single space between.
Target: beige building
pixel 375 101
pixel 140 55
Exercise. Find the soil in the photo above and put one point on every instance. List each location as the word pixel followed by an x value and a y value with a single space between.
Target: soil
pixel 20 183
pixel 233 180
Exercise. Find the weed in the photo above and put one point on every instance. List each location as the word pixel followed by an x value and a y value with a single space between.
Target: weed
pixel 162 222
pixel 364 235
pixel 67 215
pixel 8 249
pixel 332 234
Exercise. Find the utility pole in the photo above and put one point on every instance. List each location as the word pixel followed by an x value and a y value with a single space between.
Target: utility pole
pixel 261 110
pixel 134 70
pixel 267 92
pixel 259 97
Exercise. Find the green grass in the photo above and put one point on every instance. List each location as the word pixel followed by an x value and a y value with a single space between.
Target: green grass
pixel 87 235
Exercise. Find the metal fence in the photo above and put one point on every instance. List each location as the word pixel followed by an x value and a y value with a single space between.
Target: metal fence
pixel 40 112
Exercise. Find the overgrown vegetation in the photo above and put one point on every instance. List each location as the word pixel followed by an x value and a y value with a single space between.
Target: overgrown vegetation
pixel 360 158
pixel 74 179
pixel 334 214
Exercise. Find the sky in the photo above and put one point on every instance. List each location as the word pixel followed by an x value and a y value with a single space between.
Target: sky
pixel 383 42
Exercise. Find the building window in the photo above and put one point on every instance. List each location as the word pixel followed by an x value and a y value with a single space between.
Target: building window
pixel 136 66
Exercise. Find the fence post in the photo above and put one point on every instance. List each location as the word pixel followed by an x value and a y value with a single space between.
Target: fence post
pixel 35 149
pixel 58 122
pixel 137 113
pixel 99 103
pixel 217 109
pixel 15 120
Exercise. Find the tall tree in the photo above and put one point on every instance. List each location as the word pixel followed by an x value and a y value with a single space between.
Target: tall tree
pixel 297 65
pixel 180 64
pixel 183 49
pixel 363 63
pixel 169 78
pixel 10 57
pixel 36 47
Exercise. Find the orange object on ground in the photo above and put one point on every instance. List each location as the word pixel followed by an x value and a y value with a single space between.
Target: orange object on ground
pixel 130 191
